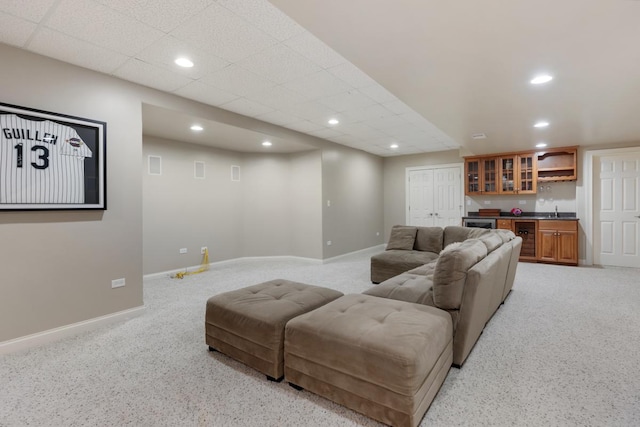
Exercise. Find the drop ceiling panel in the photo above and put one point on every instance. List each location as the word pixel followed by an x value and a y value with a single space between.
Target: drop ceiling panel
pixel 224 34
pixel 318 85
pixel 237 80
pixel 146 74
pixel 352 75
pixel 309 46
pixel 278 97
pixel 351 100
pixel 15 31
pixel 102 26
pixel 32 10
pixel 279 64
pixel 165 15
pixel 265 17
pixel 165 51
pixel 69 49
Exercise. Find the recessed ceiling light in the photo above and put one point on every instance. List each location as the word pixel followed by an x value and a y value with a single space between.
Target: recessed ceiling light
pixel 197 128
pixel 541 145
pixel 184 62
pixel 333 121
pixel 394 146
pixel 541 124
pixel 267 143
pixel 542 78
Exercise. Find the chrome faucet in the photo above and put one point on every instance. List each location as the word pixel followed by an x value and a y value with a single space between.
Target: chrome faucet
pixel 556 214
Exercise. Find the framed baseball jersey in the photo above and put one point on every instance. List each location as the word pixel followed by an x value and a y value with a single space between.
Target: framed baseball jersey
pixel 50 160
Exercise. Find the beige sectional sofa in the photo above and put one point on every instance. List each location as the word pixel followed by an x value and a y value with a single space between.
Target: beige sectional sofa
pixel 411 247
pixel 469 278
pixel 386 352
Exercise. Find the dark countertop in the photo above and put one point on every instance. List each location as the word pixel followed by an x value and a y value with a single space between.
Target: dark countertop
pixel 567 216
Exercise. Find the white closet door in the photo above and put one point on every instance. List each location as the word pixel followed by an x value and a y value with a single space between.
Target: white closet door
pixel 434 196
pixel 448 197
pixel 421 198
pixel 617 210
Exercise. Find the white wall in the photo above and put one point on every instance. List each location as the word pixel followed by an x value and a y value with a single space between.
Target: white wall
pixel 274 210
pixel 181 211
pixel 57 266
pixel 352 183
pixel 549 195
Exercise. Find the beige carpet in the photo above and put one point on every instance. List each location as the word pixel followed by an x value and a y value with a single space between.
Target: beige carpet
pixel 562 351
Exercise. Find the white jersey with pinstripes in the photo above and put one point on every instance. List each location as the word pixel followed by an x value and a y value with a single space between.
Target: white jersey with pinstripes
pixel 40 162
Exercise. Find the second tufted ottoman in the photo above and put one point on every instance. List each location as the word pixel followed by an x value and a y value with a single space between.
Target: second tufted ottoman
pixel 383 358
pixel 248 324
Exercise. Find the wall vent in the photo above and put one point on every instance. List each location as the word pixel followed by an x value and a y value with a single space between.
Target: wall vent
pixel 235 173
pixel 155 165
pixel 198 170
pixel 479 136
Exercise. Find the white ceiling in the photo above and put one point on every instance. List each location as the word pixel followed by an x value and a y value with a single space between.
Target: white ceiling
pixel 249 58
pixel 463 65
pixel 466 65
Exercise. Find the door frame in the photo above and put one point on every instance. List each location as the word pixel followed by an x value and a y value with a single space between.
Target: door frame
pixel 408 170
pixel 592 160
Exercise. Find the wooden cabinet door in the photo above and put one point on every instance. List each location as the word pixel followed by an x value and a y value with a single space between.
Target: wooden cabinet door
pixel 527 181
pixel 505 224
pixel 546 245
pixel 508 175
pixel 473 175
pixel 567 250
pixel 489 176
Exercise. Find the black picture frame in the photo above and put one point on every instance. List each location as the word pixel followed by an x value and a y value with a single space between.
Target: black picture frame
pixel 51 161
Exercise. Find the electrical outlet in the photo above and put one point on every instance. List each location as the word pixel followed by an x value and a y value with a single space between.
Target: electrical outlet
pixel 487 202
pixel 523 202
pixel 377 233
pixel 183 250
pixel 328 242
pixel 328 203
pixel 203 250
pixel 118 283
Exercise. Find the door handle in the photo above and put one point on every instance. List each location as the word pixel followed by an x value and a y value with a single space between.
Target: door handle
pixel 637 216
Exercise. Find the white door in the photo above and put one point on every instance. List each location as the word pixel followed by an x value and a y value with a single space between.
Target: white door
pixel 617 210
pixel 435 196
pixel 448 197
pixel 421 198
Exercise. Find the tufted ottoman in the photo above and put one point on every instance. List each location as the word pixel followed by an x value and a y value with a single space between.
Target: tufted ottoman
pixel 383 358
pixel 248 324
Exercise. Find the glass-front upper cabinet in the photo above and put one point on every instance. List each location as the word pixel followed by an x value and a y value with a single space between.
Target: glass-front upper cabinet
pixel 527 173
pixel 517 174
pixel 481 176
pixel 490 175
pixel 472 176
pixel 508 175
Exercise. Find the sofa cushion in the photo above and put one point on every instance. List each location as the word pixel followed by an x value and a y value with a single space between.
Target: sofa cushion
pixel 429 239
pixel 506 235
pixel 425 270
pixel 491 240
pixel 455 233
pixel 393 262
pixel 402 237
pixel 451 272
pixel 404 287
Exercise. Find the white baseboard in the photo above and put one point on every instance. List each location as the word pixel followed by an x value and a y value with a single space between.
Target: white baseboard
pixel 372 249
pixel 45 337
